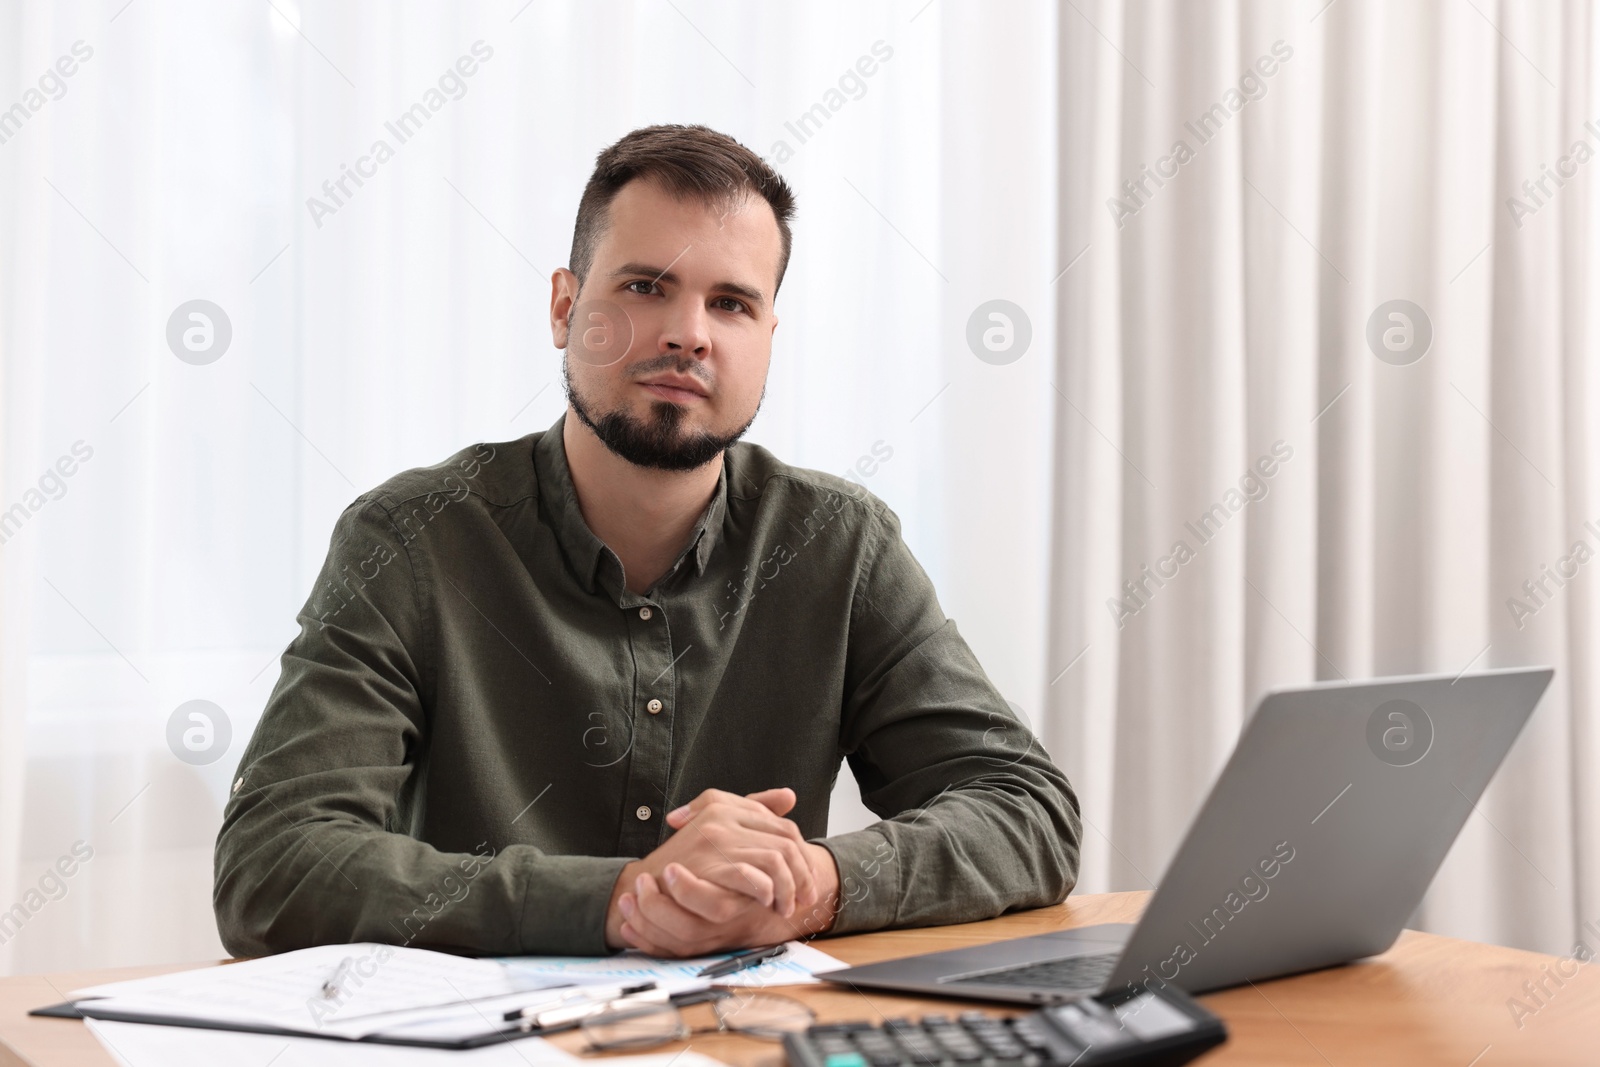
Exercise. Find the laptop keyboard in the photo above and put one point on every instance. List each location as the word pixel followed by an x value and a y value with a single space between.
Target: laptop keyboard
pixel 1073 972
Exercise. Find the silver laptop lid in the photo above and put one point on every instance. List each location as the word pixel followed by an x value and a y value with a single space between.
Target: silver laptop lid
pixel 1326 826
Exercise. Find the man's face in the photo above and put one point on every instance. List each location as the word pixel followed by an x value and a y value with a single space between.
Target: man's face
pixel 670 338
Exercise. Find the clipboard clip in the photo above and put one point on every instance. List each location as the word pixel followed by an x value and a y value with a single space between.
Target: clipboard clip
pixel 544 1018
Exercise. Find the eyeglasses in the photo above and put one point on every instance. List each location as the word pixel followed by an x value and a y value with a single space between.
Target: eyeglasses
pixel 764 1015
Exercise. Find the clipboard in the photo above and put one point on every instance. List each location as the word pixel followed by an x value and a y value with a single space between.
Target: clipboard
pixel 84 1009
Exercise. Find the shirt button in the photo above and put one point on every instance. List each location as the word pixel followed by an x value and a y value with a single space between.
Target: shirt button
pixel 645 613
pixel 643 812
pixel 654 707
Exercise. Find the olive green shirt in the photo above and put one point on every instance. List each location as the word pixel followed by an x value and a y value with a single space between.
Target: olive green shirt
pixel 478 724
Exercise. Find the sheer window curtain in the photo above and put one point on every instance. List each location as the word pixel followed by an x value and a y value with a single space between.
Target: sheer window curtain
pixel 409 320
pixel 1226 305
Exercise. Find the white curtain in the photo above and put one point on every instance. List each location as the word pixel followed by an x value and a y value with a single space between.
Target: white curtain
pixel 176 165
pixel 1363 152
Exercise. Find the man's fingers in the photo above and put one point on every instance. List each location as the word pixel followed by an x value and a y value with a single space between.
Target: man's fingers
pixel 742 829
pixel 704 898
pixel 790 851
pixel 757 818
pixel 772 863
pixel 737 844
pixel 628 904
pixel 633 939
pixel 781 834
pixel 639 930
pixel 744 878
pixel 779 801
pixel 664 921
pixel 680 815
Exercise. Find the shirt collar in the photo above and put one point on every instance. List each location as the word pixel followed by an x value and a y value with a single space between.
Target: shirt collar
pixel 583 549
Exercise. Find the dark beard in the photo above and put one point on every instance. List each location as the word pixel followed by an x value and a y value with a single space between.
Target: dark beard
pixel 654 443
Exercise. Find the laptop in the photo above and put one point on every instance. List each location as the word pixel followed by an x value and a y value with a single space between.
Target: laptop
pixel 1314 847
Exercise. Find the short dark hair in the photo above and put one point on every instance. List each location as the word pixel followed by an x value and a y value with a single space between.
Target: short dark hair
pixel 689 162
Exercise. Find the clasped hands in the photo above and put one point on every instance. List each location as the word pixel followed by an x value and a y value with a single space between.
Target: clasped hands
pixel 734 874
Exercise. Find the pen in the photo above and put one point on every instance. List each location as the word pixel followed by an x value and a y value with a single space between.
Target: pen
pixel 585 997
pixel 330 988
pixel 743 960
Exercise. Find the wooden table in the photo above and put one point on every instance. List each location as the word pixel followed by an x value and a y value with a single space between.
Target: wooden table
pixel 1428 1000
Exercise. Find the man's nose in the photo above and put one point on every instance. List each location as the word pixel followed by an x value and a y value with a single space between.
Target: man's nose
pixel 687 330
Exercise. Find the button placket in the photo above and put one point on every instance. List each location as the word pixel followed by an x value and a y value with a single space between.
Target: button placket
pixel 650 639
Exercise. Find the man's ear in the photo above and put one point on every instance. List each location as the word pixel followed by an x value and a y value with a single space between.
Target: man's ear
pixel 563 288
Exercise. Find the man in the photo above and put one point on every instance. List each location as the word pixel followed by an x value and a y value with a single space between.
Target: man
pixel 591 689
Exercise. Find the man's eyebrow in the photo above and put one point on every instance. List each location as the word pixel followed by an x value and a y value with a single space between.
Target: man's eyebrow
pixel 755 296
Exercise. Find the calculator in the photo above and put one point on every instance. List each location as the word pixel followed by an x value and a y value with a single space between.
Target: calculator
pixel 1153 1028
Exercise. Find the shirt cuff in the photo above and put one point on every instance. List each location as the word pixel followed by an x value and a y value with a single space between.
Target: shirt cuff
pixel 869 880
pixel 564 905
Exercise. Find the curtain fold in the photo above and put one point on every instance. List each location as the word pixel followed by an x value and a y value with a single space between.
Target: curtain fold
pixel 1338 158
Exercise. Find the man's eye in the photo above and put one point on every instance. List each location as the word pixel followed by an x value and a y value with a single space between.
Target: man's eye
pixel 630 286
pixel 738 305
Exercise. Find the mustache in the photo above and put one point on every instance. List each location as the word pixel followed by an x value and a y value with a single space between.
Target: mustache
pixel 667 361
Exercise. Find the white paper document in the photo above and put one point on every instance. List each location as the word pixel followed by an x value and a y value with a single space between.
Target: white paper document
pixel 798 966
pixel 381 989
pixel 140 1045
pixel 367 990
